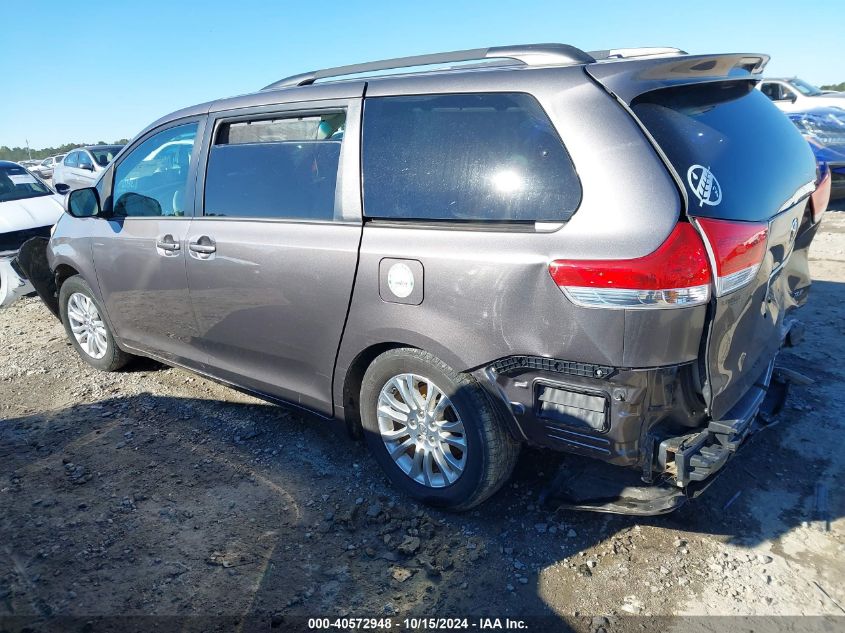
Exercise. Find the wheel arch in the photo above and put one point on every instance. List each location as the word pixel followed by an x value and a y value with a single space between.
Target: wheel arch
pixel 352 379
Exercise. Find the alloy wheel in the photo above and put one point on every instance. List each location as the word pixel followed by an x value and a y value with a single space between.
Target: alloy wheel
pixel 87 325
pixel 422 431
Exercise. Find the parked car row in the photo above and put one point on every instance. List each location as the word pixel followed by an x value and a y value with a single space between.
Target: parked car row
pixel 46 166
pixel 820 116
pixel 795 95
pixel 77 169
pixel 824 129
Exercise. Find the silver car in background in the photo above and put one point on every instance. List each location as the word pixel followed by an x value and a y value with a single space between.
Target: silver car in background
pixel 82 166
pixel 45 168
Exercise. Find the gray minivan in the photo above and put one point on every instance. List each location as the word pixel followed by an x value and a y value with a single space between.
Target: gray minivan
pixel 596 252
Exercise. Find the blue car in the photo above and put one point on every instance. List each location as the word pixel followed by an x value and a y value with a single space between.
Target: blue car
pixel 824 128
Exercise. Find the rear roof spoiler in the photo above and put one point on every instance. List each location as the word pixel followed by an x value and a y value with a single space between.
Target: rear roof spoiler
pixel 633 77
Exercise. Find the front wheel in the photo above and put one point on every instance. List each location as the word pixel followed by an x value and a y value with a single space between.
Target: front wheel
pixel 86 328
pixel 434 431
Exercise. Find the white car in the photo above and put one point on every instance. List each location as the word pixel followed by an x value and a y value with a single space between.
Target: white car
pixel 83 166
pixel 45 168
pixel 28 208
pixel 796 95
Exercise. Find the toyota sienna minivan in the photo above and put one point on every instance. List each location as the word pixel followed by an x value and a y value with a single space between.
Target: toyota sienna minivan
pixel 598 253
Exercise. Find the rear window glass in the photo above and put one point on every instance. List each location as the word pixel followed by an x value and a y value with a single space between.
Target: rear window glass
pixel 105 155
pixel 465 157
pixel 281 168
pixel 738 156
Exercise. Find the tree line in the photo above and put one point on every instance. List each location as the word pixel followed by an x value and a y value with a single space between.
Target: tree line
pixel 18 154
pixel 840 87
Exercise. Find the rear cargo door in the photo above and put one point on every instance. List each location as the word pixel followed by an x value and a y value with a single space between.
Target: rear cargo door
pixel 747 173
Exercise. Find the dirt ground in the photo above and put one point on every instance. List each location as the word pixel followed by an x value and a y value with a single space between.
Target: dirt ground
pixel 156 492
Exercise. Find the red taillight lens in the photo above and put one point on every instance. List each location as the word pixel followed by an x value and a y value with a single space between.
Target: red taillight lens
pixel 677 274
pixel 738 250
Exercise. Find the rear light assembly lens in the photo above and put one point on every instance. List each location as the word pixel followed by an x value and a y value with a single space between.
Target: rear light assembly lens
pixel 676 275
pixel 737 248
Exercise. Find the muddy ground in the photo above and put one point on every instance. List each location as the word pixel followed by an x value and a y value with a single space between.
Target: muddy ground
pixel 156 492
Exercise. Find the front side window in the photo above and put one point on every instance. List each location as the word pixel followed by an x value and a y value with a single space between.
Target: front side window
pixel 16 183
pixel 85 160
pixel 772 91
pixel 151 180
pixel 465 157
pixel 283 168
pixel 72 160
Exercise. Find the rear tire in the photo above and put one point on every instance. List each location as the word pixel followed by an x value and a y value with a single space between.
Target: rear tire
pixel 93 339
pixel 435 432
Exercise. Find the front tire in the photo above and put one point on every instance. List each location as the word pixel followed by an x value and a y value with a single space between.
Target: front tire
pixel 434 431
pixel 86 328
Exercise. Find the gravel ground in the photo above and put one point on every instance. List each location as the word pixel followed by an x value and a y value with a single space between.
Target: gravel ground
pixel 153 491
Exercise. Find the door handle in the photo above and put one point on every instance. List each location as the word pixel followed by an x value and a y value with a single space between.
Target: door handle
pixel 204 245
pixel 167 243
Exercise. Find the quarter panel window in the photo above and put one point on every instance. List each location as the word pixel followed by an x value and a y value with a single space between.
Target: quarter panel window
pixel 280 168
pixel 462 157
pixel 151 180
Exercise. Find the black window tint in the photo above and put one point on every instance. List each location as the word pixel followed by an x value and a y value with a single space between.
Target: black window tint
pixel 105 155
pixel 151 180
pixel 757 156
pixel 72 160
pixel 770 90
pixel 282 168
pixel 465 157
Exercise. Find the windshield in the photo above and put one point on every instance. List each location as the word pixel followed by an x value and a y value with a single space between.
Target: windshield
pixel 16 183
pixel 827 128
pixel 104 155
pixel 808 90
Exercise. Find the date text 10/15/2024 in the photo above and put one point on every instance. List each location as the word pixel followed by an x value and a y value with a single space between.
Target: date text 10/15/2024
pixel 416 624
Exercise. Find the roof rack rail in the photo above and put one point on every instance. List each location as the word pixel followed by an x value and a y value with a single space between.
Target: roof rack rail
pixel 645 51
pixel 528 54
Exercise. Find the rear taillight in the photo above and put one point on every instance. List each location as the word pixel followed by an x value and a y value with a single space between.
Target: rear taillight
pixel 676 275
pixel 738 249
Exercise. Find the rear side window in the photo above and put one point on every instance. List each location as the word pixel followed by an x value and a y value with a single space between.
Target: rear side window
pixel 275 168
pixel 738 156
pixel 465 157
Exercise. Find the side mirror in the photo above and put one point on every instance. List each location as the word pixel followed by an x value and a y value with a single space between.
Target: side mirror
pixel 83 203
pixel 87 167
pixel 793 98
pixel 61 188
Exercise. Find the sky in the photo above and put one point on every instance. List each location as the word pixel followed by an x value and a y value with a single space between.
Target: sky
pixel 103 70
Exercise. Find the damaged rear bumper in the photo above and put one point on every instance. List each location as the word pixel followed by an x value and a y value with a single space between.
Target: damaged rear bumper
pixel 690 463
pixel 645 420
